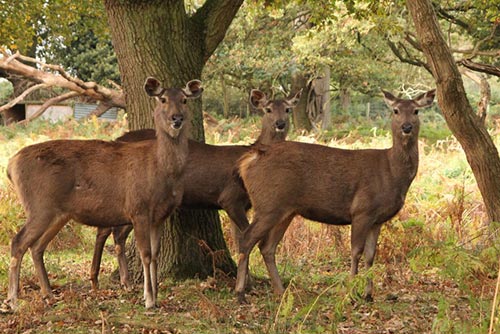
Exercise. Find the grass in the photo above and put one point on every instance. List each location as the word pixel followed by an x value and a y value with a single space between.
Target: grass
pixel 436 268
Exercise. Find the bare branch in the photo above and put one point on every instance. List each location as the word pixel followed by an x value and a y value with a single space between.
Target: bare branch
pixel 21 97
pixel 49 103
pixel 58 77
pixel 478 67
pixel 99 110
pixel 482 82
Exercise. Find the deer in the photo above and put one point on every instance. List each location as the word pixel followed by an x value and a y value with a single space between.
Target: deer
pixel 208 181
pixel 362 188
pixel 103 183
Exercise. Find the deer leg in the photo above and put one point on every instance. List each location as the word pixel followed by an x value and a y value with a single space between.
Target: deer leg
pixel 37 251
pixel 100 240
pixel 369 254
pixel 156 231
pixel 143 243
pixel 268 250
pixel 29 233
pixel 253 234
pixel 359 232
pixel 120 235
pixel 239 223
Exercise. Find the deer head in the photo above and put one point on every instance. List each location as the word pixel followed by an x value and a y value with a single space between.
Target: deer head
pixel 405 123
pixel 171 112
pixel 276 112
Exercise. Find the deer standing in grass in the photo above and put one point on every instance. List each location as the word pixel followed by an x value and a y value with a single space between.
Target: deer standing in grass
pixel 364 188
pixel 208 179
pixel 101 183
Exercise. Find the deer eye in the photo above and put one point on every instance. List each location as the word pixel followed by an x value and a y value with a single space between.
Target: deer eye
pixel 416 112
pixel 163 99
pixel 268 110
pixel 396 111
pixel 288 110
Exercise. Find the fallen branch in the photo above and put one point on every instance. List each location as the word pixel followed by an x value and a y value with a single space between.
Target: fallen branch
pixel 21 97
pixel 47 104
pixel 49 75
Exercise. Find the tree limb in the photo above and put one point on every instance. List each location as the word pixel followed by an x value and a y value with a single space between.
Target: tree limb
pixel 216 16
pixel 478 67
pixel 48 75
pixel 47 104
pixel 409 60
pixel 99 110
pixel 21 97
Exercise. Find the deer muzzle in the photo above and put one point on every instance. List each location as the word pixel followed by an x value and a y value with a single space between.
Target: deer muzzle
pixel 177 121
pixel 406 128
pixel 280 125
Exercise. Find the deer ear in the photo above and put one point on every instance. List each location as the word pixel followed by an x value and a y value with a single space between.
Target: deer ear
pixel 294 100
pixel 257 98
pixel 389 99
pixel 193 89
pixel 153 87
pixel 425 99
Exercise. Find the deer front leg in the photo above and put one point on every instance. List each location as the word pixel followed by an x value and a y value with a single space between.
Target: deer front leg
pixel 361 228
pixel 268 250
pixel 120 235
pixel 143 243
pixel 100 240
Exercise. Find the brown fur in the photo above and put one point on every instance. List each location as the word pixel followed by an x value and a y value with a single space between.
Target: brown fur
pixel 364 188
pixel 208 181
pixel 102 183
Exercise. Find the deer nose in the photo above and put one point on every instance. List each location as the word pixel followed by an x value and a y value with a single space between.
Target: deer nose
pixel 177 121
pixel 280 124
pixel 407 127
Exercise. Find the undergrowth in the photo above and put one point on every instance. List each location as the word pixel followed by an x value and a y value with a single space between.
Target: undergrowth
pixel 435 271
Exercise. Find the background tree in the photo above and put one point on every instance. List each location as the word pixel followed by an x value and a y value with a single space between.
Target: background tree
pixel 467 127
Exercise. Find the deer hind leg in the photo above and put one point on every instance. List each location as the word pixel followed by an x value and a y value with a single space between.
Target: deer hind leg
pixel 143 243
pixel 234 203
pixel 120 234
pixel 369 254
pixel 29 234
pixel 38 249
pixel 239 223
pixel 268 250
pixel 100 240
pixel 253 234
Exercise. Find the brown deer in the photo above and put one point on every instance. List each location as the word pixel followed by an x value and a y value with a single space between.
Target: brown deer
pixel 101 183
pixel 208 181
pixel 364 188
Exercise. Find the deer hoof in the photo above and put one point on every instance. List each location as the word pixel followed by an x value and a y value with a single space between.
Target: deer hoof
pixel 8 307
pixel 241 298
pixel 369 298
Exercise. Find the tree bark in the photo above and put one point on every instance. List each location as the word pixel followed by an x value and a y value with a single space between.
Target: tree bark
pixel 157 38
pixel 326 123
pixel 465 125
pixel 300 118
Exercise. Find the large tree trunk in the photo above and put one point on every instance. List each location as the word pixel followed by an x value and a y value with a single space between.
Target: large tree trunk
pixel 157 38
pixel 466 126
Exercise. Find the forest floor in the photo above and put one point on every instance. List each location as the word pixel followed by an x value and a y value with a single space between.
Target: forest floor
pixel 320 297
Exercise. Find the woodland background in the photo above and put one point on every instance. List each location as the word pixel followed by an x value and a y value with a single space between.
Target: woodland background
pixel 437 265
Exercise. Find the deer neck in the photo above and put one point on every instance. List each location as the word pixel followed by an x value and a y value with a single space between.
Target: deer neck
pixel 171 153
pixel 271 137
pixel 403 158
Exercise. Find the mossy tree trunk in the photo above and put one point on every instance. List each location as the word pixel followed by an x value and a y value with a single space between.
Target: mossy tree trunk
pixel 465 125
pixel 158 38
